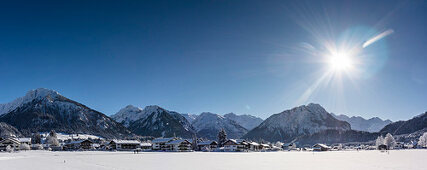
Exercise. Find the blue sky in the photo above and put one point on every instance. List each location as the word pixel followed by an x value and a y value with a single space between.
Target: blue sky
pixel 246 57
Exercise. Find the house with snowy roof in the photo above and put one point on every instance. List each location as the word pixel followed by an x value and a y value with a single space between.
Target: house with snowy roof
pixel 207 145
pixel 253 146
pixel 180 145
pixel 320 147
pixel 124 144
pixel 236 145
pixel 146 146
pixel 79 144
pixel 24 141
pixel 160 143
pixel 9 141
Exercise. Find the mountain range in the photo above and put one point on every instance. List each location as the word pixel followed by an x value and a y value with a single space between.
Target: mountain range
pixel 374 124
pixel 299 121
pixel 154 121
pixel 43 110
pixel 209 124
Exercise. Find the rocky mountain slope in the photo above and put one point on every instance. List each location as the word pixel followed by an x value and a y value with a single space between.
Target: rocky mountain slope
pixel 209 124
pixel 247 121
pixel 43 110
pixel 154 121
pixel 406 127
pixel 374 124
pixel 7 130
pixel 299 121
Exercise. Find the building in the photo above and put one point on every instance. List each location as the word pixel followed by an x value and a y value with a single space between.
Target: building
pixel 160 143
pixel 253 146
pixel 290 146
pixel 382 147
pixel 207 145
pixel 124 144
pixel 320 147
pixel 25 141
pixel 146 146
pixel 80 144
pixel 265 147
pixel 9 141
pixel 236 145
pixel 180 145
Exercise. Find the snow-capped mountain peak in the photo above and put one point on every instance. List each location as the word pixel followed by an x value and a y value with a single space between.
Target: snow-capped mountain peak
pixel 40 93
pixel 247 121
pixel 209 124
pixel 302 120
pixel 374 124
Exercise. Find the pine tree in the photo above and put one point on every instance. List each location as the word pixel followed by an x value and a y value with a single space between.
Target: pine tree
pixel 423 140
pixel 379 141
pixel 52 139
pixel 36 139
pixel 389 141
pixel 222 138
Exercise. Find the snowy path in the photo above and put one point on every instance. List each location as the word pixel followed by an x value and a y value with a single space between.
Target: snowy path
pixel 41 160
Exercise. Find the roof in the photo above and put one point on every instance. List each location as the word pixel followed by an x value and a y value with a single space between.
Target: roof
pixel 177 141
pixel 162 140
pixel 24 139
pixel 232 140
pixel 126 141
pixel 240 140
pixel 209 142
pixel 11 139
pixel 265 145
pixel 78 141
pixel 321 145
pixel 145 144
pixel 254 143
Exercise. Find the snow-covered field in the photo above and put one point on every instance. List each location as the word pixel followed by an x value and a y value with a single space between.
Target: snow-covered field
pixel 41 160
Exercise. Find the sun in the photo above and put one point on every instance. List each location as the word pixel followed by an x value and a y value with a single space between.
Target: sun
pixel 340 62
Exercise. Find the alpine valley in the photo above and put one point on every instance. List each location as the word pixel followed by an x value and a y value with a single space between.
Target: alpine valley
pixel 43 110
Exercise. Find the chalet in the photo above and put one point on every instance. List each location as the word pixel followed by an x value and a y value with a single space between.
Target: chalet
pixel 399 145
pixel 124 144
pixel 253 146
pixel 25 141
pixel 9 141
pixel 320 147
pixel 236 145
pixel 145 146
pixel 382 147
pixel 290 146
pixel 80 144
pixel 180 145
pixel 265 147
pixel 160 143
pixel 207 145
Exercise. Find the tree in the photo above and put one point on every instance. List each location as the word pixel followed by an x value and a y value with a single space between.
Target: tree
pixel 9 148
pixel 379 141
pixel 222 137
pixel 389 141
pixel 37 139
pixel 53 134
pixel 52 139
pixel 24 146
pixel 423 140
pixel 278 144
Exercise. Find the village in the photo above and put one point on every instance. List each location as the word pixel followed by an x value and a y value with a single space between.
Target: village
pixel 51 142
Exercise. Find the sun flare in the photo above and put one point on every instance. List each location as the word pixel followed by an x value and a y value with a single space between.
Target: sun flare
pixel 340 62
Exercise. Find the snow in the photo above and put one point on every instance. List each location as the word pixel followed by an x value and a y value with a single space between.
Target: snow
pixel 64 136
pixel 40 160
pixel 30 96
